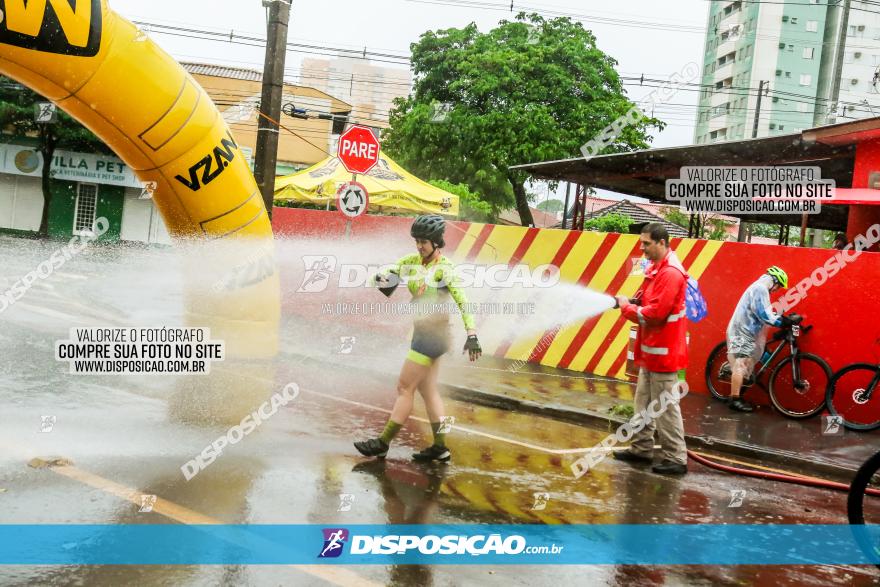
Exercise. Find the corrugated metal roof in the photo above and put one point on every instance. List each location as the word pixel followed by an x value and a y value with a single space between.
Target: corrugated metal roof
pixel 242 73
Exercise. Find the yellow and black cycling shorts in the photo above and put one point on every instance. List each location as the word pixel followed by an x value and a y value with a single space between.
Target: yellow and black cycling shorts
pixel 430 341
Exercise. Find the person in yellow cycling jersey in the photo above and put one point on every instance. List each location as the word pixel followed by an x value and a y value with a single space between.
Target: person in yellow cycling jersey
pixel 430 278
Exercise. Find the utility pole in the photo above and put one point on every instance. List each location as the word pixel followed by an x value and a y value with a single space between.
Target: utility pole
pixel 828 87
pixel 758 107
pixel 565 208
pixel 831 65
pixel 742 235
pixel 266 155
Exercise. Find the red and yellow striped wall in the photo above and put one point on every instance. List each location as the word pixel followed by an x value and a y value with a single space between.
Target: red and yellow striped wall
pixel 599 261
pixel 843 310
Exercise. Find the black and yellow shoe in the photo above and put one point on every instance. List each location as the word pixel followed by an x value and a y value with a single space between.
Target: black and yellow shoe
pixel 374 447
pixel 433 453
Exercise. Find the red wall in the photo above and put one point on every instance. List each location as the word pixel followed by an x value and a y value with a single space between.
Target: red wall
pixel 843 310
pixel 860 216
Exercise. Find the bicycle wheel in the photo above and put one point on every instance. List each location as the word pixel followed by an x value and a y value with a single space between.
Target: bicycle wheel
pixel 717 358
pixel 845 397
pixel 800 403
pixel 857 510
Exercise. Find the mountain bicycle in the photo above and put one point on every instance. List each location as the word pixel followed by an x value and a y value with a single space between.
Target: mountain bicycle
pixel 797 384
pixel 853 395
pixel 865 483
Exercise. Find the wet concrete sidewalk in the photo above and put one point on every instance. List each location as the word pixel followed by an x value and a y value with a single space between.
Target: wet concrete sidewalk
pixel 764 436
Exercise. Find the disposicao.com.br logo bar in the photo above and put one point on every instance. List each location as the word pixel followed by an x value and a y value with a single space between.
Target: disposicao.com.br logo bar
pixel 456 544
pixel 479 544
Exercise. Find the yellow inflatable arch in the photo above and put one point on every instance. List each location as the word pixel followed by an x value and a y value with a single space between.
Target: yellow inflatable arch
pixel 104 72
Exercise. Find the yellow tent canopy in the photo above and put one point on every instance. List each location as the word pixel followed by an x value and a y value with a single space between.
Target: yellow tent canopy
pixel 391 188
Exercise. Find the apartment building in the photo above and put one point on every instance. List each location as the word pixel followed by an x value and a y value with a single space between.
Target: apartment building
pixel 791 47
pixel 370 89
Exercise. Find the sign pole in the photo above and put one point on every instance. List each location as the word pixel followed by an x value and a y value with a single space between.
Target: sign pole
pixel 347 235
pixel 358 151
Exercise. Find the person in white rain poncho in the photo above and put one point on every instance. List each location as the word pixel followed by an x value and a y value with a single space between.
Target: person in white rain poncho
pixel 747 331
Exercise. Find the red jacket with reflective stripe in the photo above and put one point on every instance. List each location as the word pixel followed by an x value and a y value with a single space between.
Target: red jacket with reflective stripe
pixel 659 311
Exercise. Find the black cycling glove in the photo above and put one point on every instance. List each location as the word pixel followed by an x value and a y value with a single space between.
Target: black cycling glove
pixel 386 285
pixel 472 346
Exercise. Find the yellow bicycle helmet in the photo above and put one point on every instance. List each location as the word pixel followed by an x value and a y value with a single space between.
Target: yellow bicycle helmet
pixel 778 275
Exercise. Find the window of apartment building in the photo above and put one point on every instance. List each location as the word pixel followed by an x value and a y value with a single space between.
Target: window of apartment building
pixel 808 52
pixel 775 99
pixel 793 20
pixel 806 79
pixel 854 82
pixel 721 110
pixel 778 72
pixel 855 30
pixel 812 26
pixel 772 126
pixel 784 19
pixel 788 74
pixel 781 46
pixel 781 127
pixel 724 59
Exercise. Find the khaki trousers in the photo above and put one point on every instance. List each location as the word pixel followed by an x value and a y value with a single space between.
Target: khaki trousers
pixel 668 425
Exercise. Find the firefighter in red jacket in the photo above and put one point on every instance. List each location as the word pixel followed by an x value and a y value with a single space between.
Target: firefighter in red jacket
pixel 661 351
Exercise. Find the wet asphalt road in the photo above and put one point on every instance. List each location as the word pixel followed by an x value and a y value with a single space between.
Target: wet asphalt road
pixel 127 434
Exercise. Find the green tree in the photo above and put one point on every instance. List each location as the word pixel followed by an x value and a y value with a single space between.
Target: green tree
pixel 674 215
pixel 18 109
pixel 614 222
pixel 708 226
pixel 551 206
pixel 529 90
pixel 471 206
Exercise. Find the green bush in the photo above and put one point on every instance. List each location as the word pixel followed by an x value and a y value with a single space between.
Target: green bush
pixel 614 222
pixel 471 206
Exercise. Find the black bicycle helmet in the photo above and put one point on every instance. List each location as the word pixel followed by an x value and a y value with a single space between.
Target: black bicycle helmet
pixel 429 227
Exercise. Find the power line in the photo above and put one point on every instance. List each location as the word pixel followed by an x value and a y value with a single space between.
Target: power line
pixel 246 40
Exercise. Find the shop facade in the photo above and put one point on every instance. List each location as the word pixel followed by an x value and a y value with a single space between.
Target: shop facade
pixel 85 186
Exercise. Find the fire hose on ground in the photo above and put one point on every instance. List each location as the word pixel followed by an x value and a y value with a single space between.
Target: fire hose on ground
pixel 783 477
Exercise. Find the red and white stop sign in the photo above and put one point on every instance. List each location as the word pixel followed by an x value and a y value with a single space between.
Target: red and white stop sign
pixel 358 149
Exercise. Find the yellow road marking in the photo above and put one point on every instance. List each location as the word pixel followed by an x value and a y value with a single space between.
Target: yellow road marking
pixel 178 513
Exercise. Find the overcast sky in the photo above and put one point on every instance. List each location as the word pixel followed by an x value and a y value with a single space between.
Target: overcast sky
pixel 657 38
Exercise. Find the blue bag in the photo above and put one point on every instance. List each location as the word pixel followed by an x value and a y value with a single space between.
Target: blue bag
pixel 695 304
